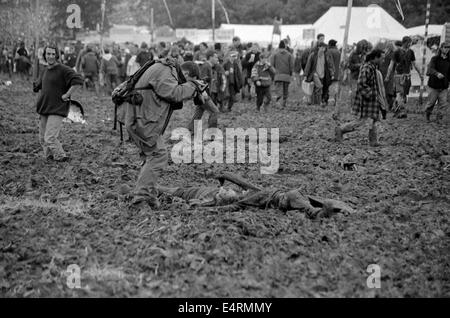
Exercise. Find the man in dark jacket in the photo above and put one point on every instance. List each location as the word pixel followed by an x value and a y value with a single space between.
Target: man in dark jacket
pixel 283 62
pixel 438 82
pixel 90 66
pixel 335 56
pixel 320 70
pixel 234 77
pixel 57 85
pixel 247 64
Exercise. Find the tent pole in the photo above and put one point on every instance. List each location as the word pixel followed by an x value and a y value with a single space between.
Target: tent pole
pixel 213 18
pixel 344 48
pixel 36 45
pixel 424 52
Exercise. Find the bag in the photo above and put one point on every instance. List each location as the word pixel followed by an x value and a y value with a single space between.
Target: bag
pixel 307 87
pixel 126 92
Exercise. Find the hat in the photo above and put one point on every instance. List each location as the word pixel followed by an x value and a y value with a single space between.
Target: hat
pixel 445 44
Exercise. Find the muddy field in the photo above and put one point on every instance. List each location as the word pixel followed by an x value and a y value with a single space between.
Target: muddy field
pixel 53 215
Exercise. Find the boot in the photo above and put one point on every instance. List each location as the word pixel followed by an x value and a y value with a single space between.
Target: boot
pixel 340 132
pixel 373 138
pixel 428 116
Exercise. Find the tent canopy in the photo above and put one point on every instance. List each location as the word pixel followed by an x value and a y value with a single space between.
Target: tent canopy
pixel 371 23
pixel 433 30
pixel 263 33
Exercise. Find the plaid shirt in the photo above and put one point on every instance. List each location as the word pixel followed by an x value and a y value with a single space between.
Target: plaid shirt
pixel 366 104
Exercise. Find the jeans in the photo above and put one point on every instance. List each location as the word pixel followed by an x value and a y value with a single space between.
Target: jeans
pixel 49 129
pixel 282 89
pixel 437 95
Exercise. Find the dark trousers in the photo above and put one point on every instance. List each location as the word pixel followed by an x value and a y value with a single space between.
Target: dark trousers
pixel 261 93
pixel 232 93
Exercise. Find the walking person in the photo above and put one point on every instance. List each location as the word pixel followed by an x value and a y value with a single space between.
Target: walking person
pixel 283 62
pixel 110 70
pixel 234 77
pixel 367 103
pixel 335 57
pixel 262 75
pixel 57 85
pixel 438 82
pixel 192 70
pixel 147 122
pixel 90 67
pixel 320 70
pixel 402 63
pixel 248 62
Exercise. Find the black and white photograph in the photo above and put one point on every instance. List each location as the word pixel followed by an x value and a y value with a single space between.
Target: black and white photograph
pixel 235 152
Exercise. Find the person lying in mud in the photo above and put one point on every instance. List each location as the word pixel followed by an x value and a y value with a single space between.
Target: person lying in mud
pixel 253 196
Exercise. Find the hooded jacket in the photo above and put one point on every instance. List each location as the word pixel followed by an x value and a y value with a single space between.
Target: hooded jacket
pixel 439 65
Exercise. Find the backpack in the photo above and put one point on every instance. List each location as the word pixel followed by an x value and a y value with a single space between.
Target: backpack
pixel 127 92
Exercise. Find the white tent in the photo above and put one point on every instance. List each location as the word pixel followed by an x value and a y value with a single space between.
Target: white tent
pixel 372 23
pixel 433 30
pixel 262 34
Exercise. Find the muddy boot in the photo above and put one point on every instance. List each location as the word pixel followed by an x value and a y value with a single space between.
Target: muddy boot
pixel 373 138
pixel 339 133
pixel 428 116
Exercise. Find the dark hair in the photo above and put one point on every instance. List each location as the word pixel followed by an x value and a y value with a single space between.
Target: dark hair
pixel 374 54
pixel 192 68
pixel 210 53
pixel 332 43
pixel 51 46
pixel 236 38
pixel 282 45
pixel 320 35
pixel 107 51
pixel 144 45
pixel 320 44
pixel 204 44
pixel 406 40
pixel 217 46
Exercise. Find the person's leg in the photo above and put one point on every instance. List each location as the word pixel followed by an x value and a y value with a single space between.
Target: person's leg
pixel 259 97
pixel 433 96
pixel 442 104
pixel 278 90
pixel 348 127
pixel 53 128
pixel 231 98
pixel 373 136
pixel 325 93
pixel 42 128
pixel 156 159
pixel 268 96
pixel 285 93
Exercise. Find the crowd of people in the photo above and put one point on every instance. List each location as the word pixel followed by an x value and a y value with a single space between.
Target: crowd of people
pixel 378 78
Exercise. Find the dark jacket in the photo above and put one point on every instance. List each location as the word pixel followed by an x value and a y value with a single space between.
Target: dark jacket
pixel 247 65
pixel 439 65
pixel 335 56
pixel 234 79
pixel 283 62
pixel 54 83
pixel 263 73
pixel 90 64
pixel 312 64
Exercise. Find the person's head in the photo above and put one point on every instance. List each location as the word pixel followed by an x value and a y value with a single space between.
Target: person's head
pixel 254 48
pixel 107 51
pixel 264 57
pixel 406 42
pixel 217 46
pixel 22 44
pixel 51 54
pixel 375 56
pixel 190 70
pixel 282 45
pixel 174 51
pixel 321 37
pixel 233 56
pixel 332 43
pixel 445 48
pixel 203 46
pixel 236 41
pixel 212 57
